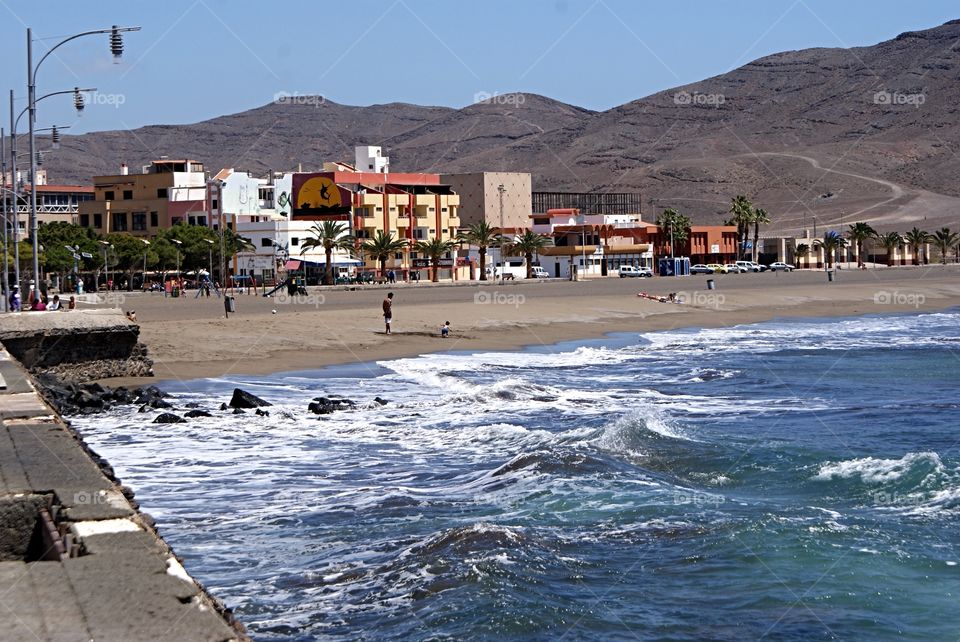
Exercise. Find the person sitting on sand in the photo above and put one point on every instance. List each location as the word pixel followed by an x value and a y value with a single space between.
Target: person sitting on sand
pixel 445 330
pixel 38 304
pixel 55 304
pixel 72 304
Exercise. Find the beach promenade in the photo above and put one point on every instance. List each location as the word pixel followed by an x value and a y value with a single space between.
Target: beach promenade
pixel 189 338
pixel 77 560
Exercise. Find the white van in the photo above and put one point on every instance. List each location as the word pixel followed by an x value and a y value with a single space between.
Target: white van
pixel 539 272
pixel 748 266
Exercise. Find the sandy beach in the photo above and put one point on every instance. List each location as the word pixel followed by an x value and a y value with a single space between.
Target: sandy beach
pixel 189 337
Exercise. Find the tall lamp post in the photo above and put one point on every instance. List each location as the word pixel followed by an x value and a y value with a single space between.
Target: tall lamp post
pixel 501 190
pixel 106 266
pixel 116 48
pixel 78 104
pixel 143 280
pixel 179 244
pixel 209 258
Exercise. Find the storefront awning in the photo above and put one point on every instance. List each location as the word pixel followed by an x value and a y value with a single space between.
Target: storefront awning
pixel 291 265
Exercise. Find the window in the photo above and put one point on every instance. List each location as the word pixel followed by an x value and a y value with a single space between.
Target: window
pixel 161 192
pixel 265 243
pixel 98 220
pixel 214 203
pixel 139 223
pixel 443 209
pixel 379 209
pixel 119 222
pixel 414 255
pixel 398 255
pixel 84 220
pixel 128 194
pixel 154 220
pixel 295 241
pixel 108 195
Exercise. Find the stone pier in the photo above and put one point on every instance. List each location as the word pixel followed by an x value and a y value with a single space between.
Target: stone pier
pixel 77 559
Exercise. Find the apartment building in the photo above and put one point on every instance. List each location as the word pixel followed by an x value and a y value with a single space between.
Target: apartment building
pixel 480 197
pixel 165 193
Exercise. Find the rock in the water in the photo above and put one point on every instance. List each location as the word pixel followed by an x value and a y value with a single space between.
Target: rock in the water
pixel 160 404
pixel 326 405
pixel 168 418
pixel 380 402
pixel 243 399
pixel 239 411
pixel 197 413
pixel 263 413
pixel 224 406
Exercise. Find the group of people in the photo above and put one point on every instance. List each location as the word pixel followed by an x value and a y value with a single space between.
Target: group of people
pixel 38 302
pixel 388 317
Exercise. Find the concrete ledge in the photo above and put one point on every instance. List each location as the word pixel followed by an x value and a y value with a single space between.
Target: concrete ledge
pixel 77 561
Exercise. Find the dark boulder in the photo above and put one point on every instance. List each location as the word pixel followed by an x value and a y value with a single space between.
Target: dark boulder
pixel 197 413
pixel 168 418
pixel 327 405
pixel 224 406
pixel 380 402
pixel 239 411
pixel 243 399
pixel 263 413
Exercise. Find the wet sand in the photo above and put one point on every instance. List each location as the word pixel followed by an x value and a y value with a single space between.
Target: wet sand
pixel 189 338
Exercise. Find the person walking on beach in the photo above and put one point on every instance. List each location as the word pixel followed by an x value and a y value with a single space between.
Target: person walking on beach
pixel 388 311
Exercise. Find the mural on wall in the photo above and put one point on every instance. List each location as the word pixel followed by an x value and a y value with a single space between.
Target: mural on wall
pixel 317 194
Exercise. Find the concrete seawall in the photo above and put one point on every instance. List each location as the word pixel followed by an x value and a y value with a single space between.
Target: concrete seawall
pixel 77 559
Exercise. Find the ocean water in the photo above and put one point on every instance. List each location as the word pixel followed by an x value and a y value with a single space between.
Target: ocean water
pixel 789 480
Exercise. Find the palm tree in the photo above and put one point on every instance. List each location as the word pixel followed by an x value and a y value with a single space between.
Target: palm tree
pixel 483 236
pixel 859 233
pixel 802 251
pixel 830 243
pixel 382 247
pixel 916 238
pixel 435 249
pixel 742 215
pixel 944 239
pixel 760 217
pixel 890 241
pixel 330 235
pixel 527 244
pixel 674 224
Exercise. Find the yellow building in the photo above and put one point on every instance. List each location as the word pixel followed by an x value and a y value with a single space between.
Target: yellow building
pixel 167 192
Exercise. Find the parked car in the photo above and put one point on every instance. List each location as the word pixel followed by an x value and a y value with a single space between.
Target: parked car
pixel 749 266
pixel 719 269
pixel 629 270
pixel 538 272
pixel 733 268
pixel 700 268
pixel 780 266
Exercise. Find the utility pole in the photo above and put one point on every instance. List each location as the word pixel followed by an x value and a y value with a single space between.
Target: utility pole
pixel 501 190
pixel 5 194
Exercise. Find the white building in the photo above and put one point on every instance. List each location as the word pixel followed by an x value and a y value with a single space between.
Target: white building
pixel 259 209
pixel 370 158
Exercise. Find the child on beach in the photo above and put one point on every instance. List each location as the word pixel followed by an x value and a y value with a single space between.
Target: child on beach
pixel 445 330
pixel 388 311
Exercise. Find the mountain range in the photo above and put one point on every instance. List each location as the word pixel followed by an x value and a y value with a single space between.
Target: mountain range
pixel 818 137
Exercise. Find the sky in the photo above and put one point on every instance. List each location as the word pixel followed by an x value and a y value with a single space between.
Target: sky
pixel 198 59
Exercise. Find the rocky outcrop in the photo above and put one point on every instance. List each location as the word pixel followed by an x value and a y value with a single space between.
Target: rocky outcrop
pixel 243 399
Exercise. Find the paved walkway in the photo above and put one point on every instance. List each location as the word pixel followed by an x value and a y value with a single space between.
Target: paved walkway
pixel 76 560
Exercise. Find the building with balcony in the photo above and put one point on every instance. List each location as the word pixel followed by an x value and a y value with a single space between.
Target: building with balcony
pixel 55 203
pixel 166 193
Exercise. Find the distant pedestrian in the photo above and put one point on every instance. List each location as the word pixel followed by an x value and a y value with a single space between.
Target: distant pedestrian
pixel 391 277
pixel 445 330
pixel 388 311
pixel 15 302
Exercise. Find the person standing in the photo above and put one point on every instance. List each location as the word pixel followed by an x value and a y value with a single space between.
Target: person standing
pixel 15 301
pixel 388 311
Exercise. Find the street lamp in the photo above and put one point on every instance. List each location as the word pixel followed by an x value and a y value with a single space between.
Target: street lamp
pixel 209 257
pixel 178 244
pixel 116 48
pixel 501 190
pixel 143 281
pixel 106 266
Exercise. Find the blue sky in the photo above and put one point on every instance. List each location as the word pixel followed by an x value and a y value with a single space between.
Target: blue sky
pixel 197 59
